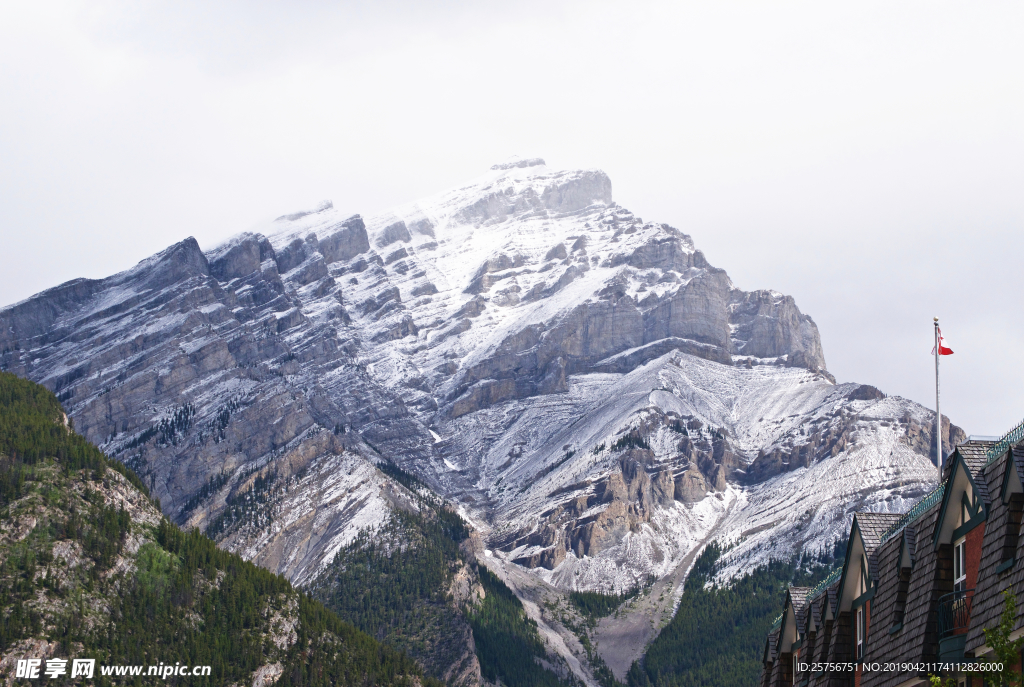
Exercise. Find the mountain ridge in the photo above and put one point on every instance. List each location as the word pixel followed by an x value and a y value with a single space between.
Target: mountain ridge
pixel 590 392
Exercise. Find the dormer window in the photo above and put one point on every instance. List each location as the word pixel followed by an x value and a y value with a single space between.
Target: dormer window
pixel 960 565
pixel 861 620
pixel 963 508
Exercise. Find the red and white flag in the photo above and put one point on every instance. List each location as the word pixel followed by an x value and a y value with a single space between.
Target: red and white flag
pixel 942 345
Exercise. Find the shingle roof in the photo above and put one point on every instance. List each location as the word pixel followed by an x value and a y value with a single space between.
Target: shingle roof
pixel 816 610
pixel 820 588
pixel 975 458
pixel 773 641
pixel 799 599
pixel 931 576
pixel 975 448
pixel 986 606
pixel 799 596
pixel 906 606
pixel 1018 461
pixel 910 532
pixel 873 526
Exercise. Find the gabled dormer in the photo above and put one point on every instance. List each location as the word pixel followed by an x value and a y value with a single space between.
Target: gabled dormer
pixel 768 658
pixel 821 617
pixel 790 638
pixel 858 582
pixel 828 604
pixel 907 548
pixel 964 503
pixel 789 630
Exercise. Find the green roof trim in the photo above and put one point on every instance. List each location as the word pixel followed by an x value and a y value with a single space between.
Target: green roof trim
pixel 826 583
pixel 1009 439
pixel 914 513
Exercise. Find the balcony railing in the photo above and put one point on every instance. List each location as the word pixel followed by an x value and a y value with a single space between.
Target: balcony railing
pixel 955 612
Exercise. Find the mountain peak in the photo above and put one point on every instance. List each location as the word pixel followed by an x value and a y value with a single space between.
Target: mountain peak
pixel 516 342
pixel 320 207
pixel 516 162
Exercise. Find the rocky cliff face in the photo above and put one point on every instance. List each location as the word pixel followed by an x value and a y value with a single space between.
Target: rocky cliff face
pixel 594 395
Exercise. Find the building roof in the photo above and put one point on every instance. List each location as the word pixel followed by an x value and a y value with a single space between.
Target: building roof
pixel 1001 531
pixel 903 607
pixel 924 505
pixel 872 526
pixel 917 638
pixel 830 580
pixel 833 595
pixel 975 457
pixel 1011 438
pixel 773 642
pixel 815 608
pixel 1018 461
pixel 986 604
pixel 800 600
pixel 799 596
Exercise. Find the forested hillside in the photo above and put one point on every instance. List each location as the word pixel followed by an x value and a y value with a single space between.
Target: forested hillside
pixel 409 584
pixel 717 635
pixel 89 568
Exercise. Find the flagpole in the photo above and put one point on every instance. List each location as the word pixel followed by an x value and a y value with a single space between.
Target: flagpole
pixel 938 413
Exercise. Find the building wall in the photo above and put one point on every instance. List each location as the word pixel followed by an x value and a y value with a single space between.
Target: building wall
pixel 972 554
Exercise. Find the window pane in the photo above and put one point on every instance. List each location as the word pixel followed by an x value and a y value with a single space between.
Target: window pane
pixel 959 562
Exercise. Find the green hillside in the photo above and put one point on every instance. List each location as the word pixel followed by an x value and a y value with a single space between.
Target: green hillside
pixel 717 635
pixel 396 582
pixel 89 568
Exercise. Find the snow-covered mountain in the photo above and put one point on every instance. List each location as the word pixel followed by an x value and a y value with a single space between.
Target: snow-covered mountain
pixel 596 398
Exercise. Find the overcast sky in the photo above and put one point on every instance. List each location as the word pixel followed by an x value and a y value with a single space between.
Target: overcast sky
pixel 867 157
